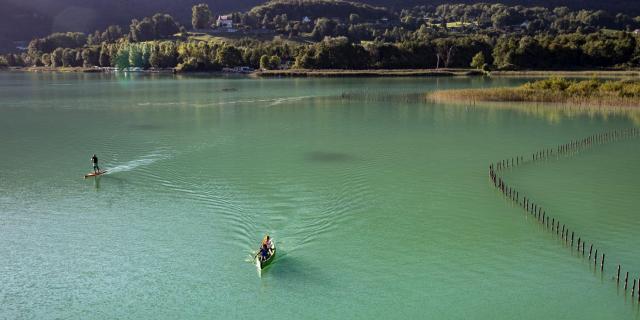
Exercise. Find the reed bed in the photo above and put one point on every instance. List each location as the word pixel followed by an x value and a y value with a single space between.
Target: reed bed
pixel 592 92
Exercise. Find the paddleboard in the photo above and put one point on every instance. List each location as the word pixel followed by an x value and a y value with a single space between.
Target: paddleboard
pixel 93 174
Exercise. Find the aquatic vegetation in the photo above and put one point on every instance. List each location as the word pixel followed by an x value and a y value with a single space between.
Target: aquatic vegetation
pixel 591 92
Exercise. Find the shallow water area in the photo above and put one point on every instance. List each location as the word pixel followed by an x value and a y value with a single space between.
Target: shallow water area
pixel 379 201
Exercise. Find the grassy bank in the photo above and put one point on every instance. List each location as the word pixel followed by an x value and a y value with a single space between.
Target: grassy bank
pixel 555 90
pixel 569 73
pixel 368 73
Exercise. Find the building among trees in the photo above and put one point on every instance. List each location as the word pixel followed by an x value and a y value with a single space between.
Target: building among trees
pixel 224 22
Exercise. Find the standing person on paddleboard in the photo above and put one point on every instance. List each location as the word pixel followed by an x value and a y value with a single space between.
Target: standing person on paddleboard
pixel 94 161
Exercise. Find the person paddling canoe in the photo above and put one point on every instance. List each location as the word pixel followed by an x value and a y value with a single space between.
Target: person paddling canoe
pixel 266 253
pixel 94 161
pixel 266 242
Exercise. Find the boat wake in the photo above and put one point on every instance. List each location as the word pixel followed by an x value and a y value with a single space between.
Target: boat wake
pixel 143 161
pixel 267 102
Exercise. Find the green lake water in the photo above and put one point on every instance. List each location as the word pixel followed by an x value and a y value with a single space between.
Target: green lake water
pixel 378 200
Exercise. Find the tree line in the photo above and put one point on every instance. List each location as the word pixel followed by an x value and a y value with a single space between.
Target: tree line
pixel 568 51
pixel 420 38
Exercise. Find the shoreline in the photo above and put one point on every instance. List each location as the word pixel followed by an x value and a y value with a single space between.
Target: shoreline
pixel 293 73
pixel 338 73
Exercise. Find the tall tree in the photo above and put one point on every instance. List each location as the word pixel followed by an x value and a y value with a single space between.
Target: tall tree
pixel 56 58
pixel 229 56
pixel 142 30
pixel 164 25
pixel 478 60
pixel 104 60
pixel 200 16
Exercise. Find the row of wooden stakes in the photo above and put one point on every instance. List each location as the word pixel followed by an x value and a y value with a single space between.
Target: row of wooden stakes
pixel 552 224
pixel 565 149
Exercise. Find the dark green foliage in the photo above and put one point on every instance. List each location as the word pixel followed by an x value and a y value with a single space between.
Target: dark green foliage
pixel 324 28
pixel 200 16
pixel 69 58
pixel 28 19
pixel 485 36
pixel 478 61
pixel 275 62
pixel 57 40
pixel 229 56
pixel 111 34
pixel 10 60
pixel 566 51
pixel 160 26
pixel 360 32
pixel 264 62
pixel 334 53
pixel 104 60
pixel 163 55
pixel 141 30
pixel 45 59
pixel 164 25
pixel 56 58
pixel 298 9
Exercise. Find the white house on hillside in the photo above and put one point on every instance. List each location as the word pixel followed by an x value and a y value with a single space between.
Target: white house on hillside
pixel 306 19
pixel 224 22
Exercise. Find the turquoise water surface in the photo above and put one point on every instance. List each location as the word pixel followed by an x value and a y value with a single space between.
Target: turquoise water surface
pixel 379 201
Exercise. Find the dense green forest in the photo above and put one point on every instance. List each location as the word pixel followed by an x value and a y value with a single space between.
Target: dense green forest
pixel 354 36
pixel 27 19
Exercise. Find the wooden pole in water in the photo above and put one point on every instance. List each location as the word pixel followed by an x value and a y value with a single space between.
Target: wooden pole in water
pixel 626 281
pixel 633 288
pixel 571 239
pixel 602 263
pixel 590 250
pixel 595 258
pixel 618 276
